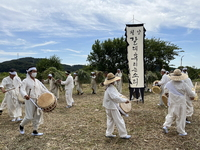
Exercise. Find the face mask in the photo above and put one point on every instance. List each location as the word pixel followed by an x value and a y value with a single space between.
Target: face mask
pixel 34 74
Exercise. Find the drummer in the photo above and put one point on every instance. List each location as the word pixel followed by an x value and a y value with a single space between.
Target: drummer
pixel 110 102
pixel 32 88
pixel 162 84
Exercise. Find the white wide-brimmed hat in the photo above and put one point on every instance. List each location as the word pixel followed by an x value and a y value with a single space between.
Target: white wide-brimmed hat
pixel 177 75
pixel 111 78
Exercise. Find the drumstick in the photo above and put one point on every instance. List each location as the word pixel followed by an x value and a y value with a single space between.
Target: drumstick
pixel 35 104
pixel 10 89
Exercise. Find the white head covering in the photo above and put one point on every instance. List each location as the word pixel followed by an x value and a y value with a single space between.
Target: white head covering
pixel 67 72
pixel 184 68
pixel 49 75
pixel 13 73
pixel 30 69
pixel 163 70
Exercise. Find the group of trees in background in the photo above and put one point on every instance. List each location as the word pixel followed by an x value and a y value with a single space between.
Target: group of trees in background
pixel 109 55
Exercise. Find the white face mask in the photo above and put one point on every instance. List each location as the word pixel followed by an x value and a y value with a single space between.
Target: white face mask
pixel 34 74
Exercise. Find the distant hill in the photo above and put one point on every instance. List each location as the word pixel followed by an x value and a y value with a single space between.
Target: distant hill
pixel 22 64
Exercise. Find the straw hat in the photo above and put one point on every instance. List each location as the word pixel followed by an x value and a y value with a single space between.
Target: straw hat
pixel 111 78
pixel 165 100
pixel 156 89
pixel 177 75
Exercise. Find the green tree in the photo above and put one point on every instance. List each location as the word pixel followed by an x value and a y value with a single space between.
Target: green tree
pixel 109 55
pixel 45 63
pixel 112 54
pixel 158 54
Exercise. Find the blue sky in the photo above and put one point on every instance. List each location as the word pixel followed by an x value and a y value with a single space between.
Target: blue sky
pixel 67 28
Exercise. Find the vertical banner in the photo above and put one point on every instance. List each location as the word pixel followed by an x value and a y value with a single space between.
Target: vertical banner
pixel 135 54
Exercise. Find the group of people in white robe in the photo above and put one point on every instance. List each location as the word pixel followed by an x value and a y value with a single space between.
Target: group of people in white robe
pixel 177 86
pixel 31 88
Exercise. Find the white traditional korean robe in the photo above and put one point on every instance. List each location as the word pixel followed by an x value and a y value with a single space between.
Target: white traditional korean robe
pixel 33 88
pixel 11 97
pixel 69 85
pixel 77 84
pixel 177 106
pixel 165 78
pixel 119 82
pixel 53 87
pixel 94 84
pixel 110 102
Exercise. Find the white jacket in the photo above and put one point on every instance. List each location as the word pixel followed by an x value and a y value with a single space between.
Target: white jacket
pixel 69 83
pixel 112 97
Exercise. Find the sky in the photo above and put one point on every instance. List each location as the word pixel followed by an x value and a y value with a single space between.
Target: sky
pixel 68 28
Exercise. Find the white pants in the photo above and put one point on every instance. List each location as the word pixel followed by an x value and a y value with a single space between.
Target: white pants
pixel 94 87
pixel 13 106
pixel 189 108
pixel 56 92
pixel 115 118
pixel 79 89
pixel 68 96
pixel 178 112
pixel 31 115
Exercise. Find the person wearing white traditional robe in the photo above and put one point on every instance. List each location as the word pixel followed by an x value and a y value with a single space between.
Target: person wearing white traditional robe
pixel 31 89
pixel 77 84
pixel 110 102
pixel 119 82
pixel 177 89
pixel 53 85
pixel 93 83
pixel 10 86
pixel 185 71
pixel 165 78
pixel 69 85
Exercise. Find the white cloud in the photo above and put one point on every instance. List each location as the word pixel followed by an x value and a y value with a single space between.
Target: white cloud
pixel 16 42
pixel 42 44
pixel 2 52
pixel 84 56
pixel 71 50
pixel 64 16
pixel 49 50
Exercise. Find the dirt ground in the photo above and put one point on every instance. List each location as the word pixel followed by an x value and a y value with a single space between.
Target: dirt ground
pixel 83 127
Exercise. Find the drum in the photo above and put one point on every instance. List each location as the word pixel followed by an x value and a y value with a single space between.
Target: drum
pixel 47 102
pixel 156 88
pixel 21 99
pixel 126 107
pixel 165 100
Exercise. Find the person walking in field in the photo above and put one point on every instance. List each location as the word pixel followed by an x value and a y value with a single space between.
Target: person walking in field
pixel 10 86
pixel 31 89
pixel 176 90
pixel 77 84
pixel 119 82
pixel 53 85
pixel 165 78
pixel 69 85
pixel 110 101
pixel 93 83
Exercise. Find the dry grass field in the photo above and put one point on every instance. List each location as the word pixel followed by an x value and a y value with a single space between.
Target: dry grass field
pixel 83 126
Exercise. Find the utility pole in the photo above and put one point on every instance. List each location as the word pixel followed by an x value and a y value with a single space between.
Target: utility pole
pixel 181 60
